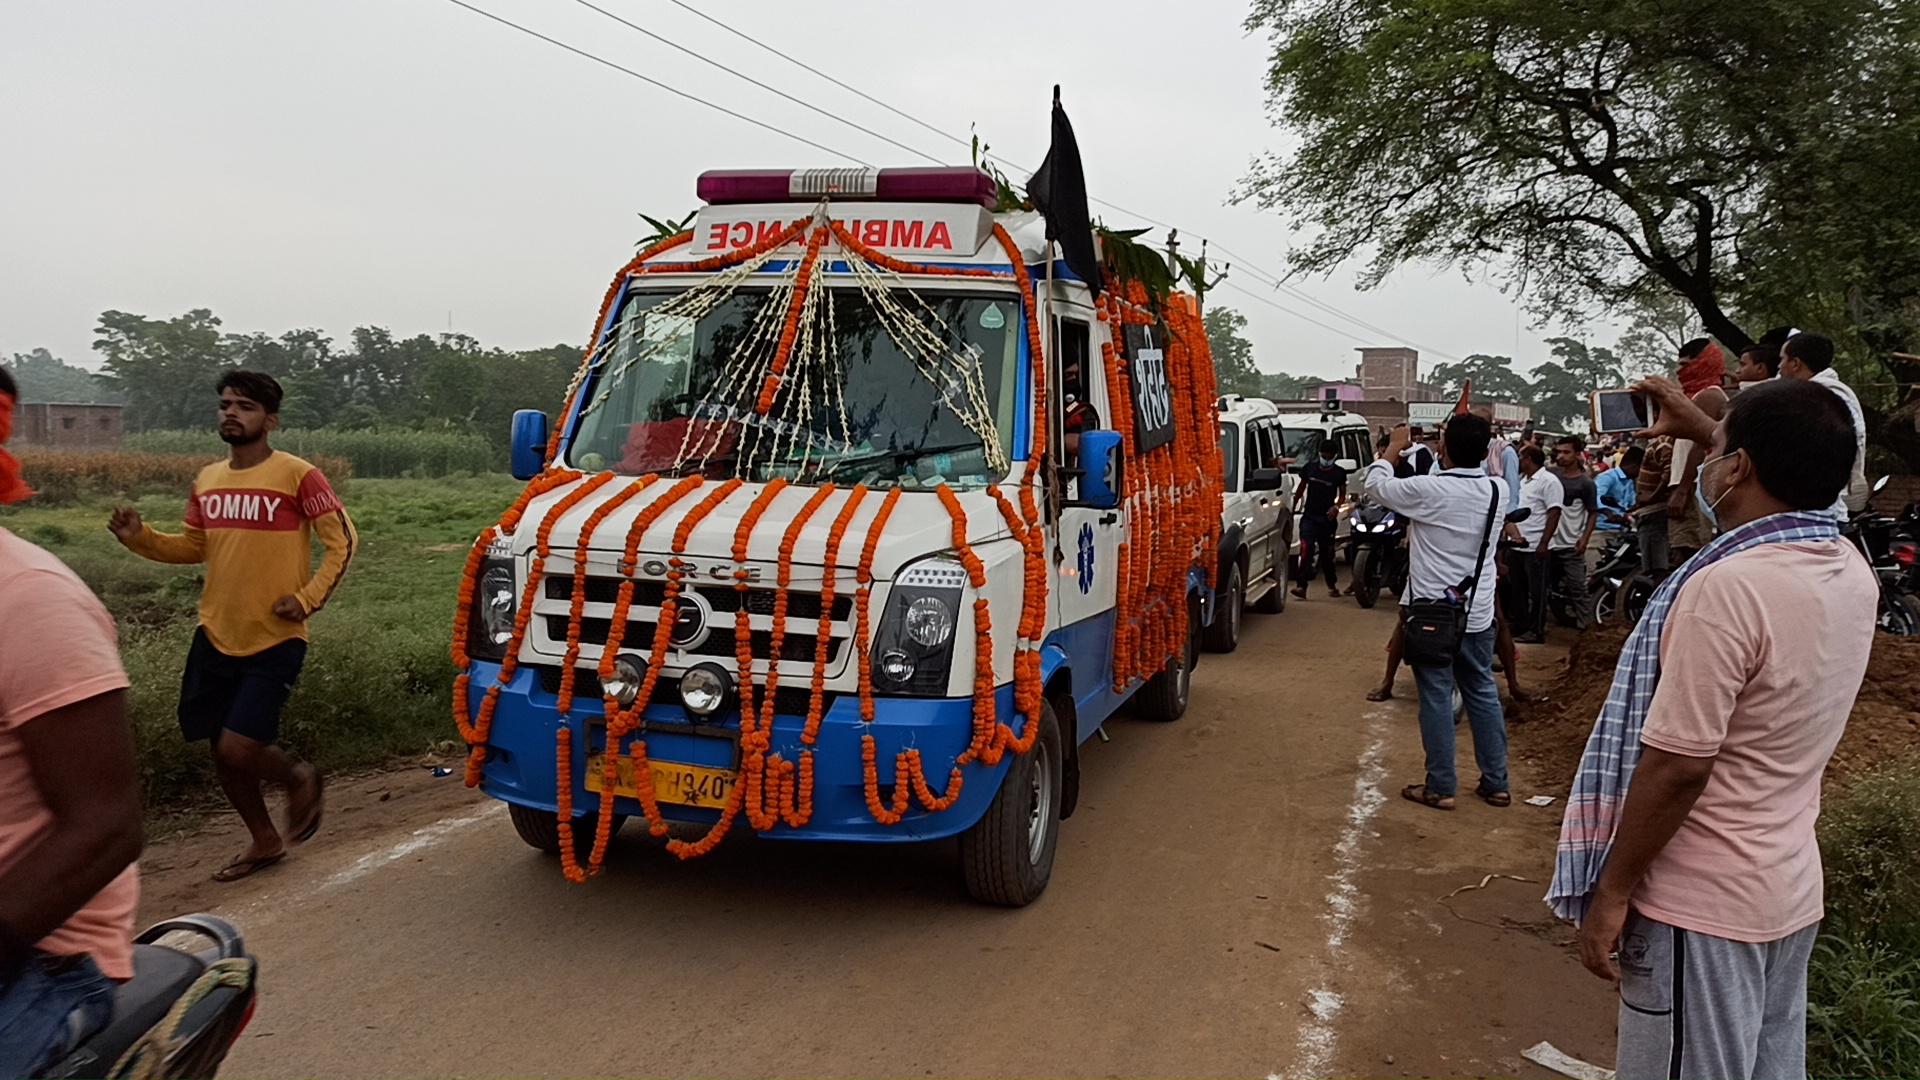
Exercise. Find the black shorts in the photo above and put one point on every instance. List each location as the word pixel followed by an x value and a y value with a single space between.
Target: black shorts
pixel 241 694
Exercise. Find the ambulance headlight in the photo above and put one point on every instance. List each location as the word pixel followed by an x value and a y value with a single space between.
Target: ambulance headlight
pixel 913 643
pixel 495 602
pixel 930 621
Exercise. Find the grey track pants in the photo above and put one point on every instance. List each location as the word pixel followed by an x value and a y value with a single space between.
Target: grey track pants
pixel 1694 1005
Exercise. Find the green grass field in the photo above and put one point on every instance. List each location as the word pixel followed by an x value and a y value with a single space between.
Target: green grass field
pixel 377 684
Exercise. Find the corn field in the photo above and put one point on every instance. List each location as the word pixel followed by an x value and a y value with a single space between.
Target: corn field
pixel 384 454
pixel 68 475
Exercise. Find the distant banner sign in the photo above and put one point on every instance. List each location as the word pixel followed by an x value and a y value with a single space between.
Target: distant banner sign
pixel 1429 413
pixel 1512 414
pixel 1152 396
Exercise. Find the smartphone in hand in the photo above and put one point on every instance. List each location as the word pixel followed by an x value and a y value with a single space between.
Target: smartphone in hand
pixel 1617 411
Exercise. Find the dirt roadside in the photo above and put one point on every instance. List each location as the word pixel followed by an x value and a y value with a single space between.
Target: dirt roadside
pixel 1241 893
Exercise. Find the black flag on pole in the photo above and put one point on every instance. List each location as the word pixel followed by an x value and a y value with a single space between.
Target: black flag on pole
pixel 1059 191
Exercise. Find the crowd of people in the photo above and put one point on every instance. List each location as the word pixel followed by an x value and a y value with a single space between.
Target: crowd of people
pixel 1687 853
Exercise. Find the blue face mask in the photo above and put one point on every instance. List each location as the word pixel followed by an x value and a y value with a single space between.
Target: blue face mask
pixel 1700 492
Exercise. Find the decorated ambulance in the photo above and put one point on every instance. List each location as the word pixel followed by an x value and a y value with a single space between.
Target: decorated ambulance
pixel 863 513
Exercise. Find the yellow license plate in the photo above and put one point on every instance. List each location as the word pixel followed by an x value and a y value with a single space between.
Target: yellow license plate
pixel 683 785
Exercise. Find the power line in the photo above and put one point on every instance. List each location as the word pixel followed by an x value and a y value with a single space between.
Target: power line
pixel 1272 280
pixel 1262 275
pixel 803 65
pixel 769 89
pixel 657 83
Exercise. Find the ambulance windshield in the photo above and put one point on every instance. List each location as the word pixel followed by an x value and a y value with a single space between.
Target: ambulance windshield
pixel 690 392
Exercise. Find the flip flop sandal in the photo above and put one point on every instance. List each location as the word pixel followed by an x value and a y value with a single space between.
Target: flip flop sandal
pixel 319 807
pixel 1493 798
pixel 1419 793
pixel 240 868
pixel 1377 694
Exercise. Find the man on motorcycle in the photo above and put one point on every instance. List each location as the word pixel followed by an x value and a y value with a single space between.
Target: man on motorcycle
pixel 69 800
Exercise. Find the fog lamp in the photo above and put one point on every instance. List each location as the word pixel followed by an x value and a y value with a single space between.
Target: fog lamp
pixel 705 688
pixel 896 665
pixel 629 672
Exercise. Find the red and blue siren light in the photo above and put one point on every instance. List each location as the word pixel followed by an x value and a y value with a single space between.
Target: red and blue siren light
pixel 937 184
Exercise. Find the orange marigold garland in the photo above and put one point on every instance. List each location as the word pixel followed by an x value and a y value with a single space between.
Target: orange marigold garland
pixel 483 724
pixel 568 674
pixel 755 742
pixel 662 638
pixel 790 330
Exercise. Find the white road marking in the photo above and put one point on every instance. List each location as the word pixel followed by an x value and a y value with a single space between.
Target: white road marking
pixel 419 841
pixel 1314 1054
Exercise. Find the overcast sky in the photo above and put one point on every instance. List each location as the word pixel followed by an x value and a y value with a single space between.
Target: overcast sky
pixel 414 165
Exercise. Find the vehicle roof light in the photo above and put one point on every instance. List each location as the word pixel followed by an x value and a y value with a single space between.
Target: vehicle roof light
pixel 955 184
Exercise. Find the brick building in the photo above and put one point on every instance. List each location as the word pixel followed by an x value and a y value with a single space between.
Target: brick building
pixel 75 427
pixel 1393 374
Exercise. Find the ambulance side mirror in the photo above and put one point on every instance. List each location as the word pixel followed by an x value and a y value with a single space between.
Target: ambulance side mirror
pixel 1099 469
pixel 529 443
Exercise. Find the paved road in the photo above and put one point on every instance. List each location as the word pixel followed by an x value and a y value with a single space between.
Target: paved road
pixel 1219 906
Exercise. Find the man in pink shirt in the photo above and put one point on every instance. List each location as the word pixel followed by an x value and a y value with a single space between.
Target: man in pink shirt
pixel 69 801
pixel 1711 890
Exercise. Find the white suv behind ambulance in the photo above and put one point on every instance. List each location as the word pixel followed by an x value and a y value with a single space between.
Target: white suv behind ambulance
pixel 1256 517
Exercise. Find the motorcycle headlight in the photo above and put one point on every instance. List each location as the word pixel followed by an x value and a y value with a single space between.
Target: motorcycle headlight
pixel 1387 522
pixel 913 644
pixel 495 602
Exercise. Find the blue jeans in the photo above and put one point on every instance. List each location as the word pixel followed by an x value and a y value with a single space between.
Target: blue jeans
pixel 1472 671
pixel 54 1005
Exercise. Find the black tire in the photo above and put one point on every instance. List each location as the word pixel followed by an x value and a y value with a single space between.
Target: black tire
pixel 1002 857
pixel 1224 635
pixel 1900 614
pixel 1600 603
pixel 1367 576
pixel 1630 602
pixel 1164 698
pixel 541 828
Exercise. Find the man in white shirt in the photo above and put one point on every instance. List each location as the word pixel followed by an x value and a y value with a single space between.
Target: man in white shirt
pixel 1451 535
pixel 1809 356
pixel 1541 496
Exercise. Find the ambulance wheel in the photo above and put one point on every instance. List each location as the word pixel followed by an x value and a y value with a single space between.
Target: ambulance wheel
pixel 1007 856
pixel 541 828
pixel 1164 698
pixel 1224 635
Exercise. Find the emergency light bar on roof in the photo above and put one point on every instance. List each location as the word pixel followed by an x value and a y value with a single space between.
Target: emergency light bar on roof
pixel 940 184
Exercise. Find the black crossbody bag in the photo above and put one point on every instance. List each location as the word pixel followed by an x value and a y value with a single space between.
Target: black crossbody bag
pixel 1434 629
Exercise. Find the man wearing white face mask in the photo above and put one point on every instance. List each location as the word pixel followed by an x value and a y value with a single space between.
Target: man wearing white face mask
pixel 1687 851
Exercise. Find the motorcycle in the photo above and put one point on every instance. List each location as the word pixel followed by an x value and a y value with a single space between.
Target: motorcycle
pixel 1888 545
pixel 1620 561
pixel 1890 549
pixel 180 1013
pixel 1377 550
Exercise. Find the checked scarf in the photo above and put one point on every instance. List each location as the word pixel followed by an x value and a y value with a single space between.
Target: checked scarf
pixel 1613 750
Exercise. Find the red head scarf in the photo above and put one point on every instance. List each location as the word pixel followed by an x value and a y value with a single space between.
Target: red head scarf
pixel 12 488
pixel 1704 370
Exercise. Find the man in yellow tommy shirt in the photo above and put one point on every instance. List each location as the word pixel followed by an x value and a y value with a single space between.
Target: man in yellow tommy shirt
pixel 251 519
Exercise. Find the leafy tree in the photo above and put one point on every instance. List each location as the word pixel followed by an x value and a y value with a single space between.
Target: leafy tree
pixel 1662 322
pixel 163 369
pixel 1280 386
pixel 302 360
pixel 45 377
pixel 1562 387
pixel 1233 368
pixel 1839 250
pixel 1588 151
pixel 1491 376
